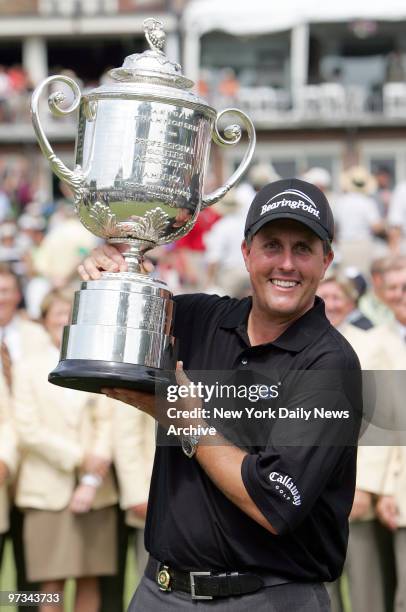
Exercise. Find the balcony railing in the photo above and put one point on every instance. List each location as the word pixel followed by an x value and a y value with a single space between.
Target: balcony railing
pixel 328 104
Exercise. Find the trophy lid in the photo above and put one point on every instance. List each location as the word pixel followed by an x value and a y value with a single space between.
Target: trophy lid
pixel 152 66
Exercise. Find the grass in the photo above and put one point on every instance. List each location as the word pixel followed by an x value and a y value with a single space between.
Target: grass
pixel 7 575
pixel 8 580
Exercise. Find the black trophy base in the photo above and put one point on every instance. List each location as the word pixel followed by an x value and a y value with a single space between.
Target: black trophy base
pixel 92 376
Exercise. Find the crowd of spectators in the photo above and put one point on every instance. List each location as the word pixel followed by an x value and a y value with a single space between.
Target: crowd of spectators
pixel 41 245
pixel 15 88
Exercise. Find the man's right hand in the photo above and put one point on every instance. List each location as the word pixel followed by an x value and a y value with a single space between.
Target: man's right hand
pixel 106 258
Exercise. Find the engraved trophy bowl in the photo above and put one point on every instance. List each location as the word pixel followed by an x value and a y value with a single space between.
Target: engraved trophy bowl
pixel 142 149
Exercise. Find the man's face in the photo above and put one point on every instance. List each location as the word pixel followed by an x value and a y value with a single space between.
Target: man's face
pixel 399 309
pixel 9 298
pixel 57 317
pixel 338 305
pixel 285 261
pixel 394 282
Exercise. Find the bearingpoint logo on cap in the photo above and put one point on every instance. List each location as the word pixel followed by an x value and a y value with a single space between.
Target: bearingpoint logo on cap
pixel 302 202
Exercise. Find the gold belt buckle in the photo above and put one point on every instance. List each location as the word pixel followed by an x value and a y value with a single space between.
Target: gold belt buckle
pixel 163 579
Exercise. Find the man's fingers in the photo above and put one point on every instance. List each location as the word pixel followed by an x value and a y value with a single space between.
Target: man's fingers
pixel 113 253
pixel 180 374
pixel 147 266
pixel 82 273
pixel 89 270
pixel 106 258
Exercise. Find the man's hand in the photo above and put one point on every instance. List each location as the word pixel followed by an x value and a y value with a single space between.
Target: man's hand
pixel 140 510
pixel 93 464
pixel 107 258
pixel 387 511
pixel 146 402
pixel 362 504
pixel 143 401
pixel 4 473
pixel 82 499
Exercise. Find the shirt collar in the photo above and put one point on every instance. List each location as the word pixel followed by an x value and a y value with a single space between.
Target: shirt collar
pixel 11 327
pixel 298 335
pixel 401 329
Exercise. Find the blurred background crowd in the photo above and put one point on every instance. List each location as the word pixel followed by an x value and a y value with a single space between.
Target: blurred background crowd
pixel 326 90
pixel 70 455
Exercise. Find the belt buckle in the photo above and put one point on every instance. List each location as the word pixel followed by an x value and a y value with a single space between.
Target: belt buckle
pixel 193 586
pixel 163 578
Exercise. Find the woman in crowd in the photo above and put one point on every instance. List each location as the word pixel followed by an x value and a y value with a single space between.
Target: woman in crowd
pixel 8 460
pixel 368 548
pixel 65 485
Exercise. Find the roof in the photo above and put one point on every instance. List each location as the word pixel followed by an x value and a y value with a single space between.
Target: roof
pixel 263 16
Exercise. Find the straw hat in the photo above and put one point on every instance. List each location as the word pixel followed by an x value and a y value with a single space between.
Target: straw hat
pixel 228 204
pixel 318 176
pixel 261 174
pixel 358 179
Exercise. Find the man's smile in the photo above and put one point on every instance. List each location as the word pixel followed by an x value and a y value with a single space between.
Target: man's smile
pixel 284 283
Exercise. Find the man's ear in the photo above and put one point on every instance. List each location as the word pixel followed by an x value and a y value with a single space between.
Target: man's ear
pixel 245 249
pixel 328 260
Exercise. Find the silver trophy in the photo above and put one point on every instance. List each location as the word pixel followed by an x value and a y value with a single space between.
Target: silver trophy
pixel 142 150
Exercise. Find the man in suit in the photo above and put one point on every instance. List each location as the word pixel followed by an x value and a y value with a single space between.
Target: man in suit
pixel 18 338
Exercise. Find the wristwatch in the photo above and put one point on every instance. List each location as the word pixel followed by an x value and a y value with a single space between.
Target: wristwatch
pixel 189 445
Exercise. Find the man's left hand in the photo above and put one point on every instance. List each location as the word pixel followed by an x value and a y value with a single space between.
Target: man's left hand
pixel 147 401
pixel 138 399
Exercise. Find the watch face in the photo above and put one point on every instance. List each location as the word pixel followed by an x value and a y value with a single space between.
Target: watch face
pixel 188 447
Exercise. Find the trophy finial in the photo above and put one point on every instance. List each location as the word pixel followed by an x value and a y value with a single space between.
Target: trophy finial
pixel 154 33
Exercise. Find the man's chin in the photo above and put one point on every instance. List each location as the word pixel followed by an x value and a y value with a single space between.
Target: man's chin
pixel 283 307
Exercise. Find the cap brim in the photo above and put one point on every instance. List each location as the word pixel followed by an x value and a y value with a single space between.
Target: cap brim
pixel 310 223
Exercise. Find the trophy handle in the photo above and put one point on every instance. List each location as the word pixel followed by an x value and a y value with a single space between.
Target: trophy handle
pixel 232 135
pixel 74 178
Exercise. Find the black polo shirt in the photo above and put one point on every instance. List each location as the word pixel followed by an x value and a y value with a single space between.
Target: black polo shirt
pixel 191 525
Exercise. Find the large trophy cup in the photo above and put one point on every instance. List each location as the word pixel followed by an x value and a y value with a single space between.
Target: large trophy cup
pixel 141 153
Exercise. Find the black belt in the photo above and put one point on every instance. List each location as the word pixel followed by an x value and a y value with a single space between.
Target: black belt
pixel 207 585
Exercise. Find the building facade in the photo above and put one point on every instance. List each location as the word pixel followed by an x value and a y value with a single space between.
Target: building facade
pixel 323 89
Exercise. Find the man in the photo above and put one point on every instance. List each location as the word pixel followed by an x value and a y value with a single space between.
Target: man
pixel 223 248
pixel 357 219
pixel 393 286
pixel 372 303
pixel 221 509
pixel 397 219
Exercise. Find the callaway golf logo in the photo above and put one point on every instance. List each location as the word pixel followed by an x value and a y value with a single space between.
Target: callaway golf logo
pixel 286 488
pixel 299 200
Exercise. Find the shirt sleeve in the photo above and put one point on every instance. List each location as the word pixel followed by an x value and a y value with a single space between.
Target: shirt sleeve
pixel 372 212
pixel 303 457
pixel 396 214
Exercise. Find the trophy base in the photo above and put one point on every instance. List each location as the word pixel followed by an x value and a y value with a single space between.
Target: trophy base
pixel 120 336
pixel 92 376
